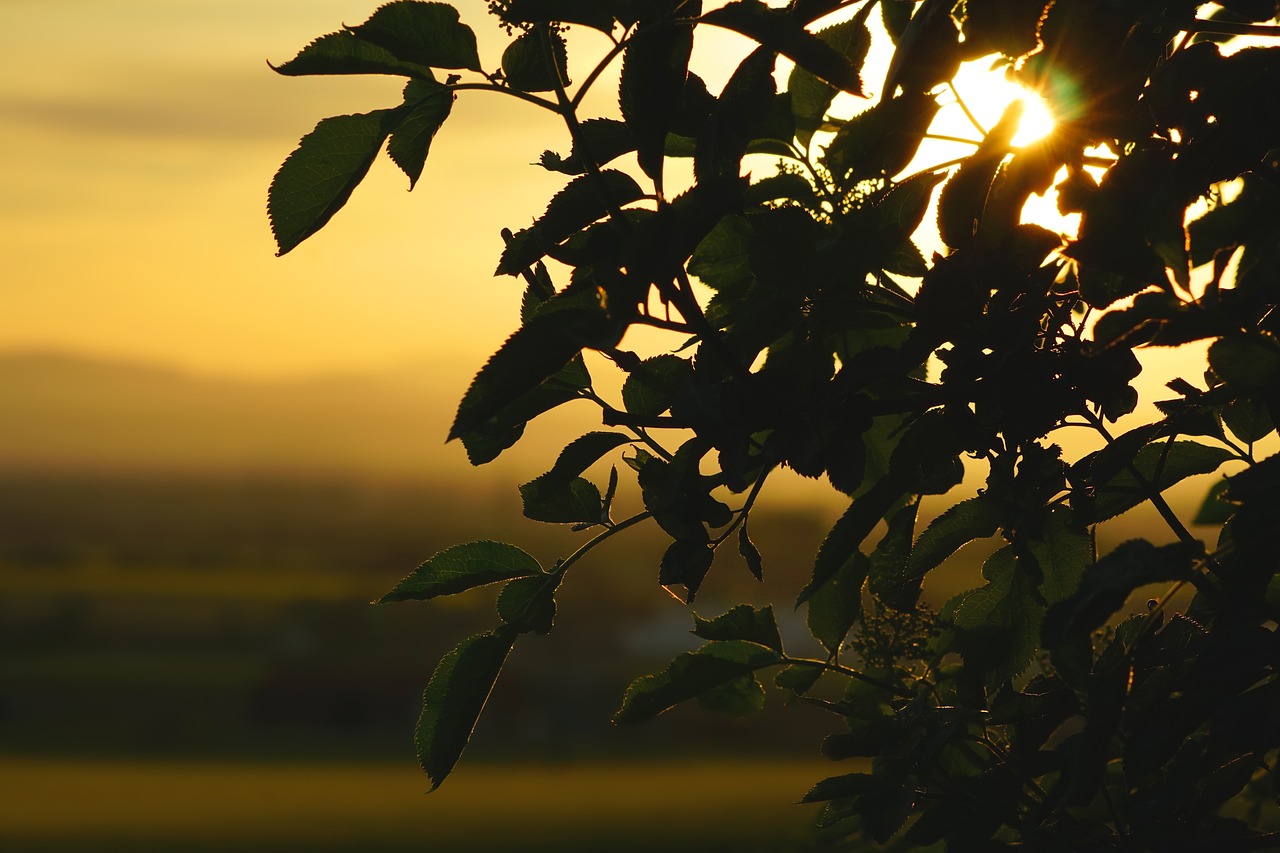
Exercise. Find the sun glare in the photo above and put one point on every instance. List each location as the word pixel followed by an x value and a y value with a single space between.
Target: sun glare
pixel 986 93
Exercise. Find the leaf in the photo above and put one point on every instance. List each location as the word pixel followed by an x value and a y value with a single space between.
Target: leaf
pixel 962 200
pixel 1107 583
pixel 781 32
pixel 846 536
pixel 653 384
pixel 737 118
pixel 881 140
pixel 555 501
pixel 685 563
pixel 422 33
pixel 315 181
pixel 344 53
pixel 654 70
pixel 533 354
pixel 1002 618
pixel 529 604
pixel 1063 551
pixel 1172 461
pixel 975 518
pixel 427 106
pixel 463 567
pixel 692 674
pixel 836 605
pixel 723 258
pixel 561 496
pixel 525 66
pixel 485 442
pixel 1248 364
pixel 741 697
pixel 606 139
pixel 590 13
pixel 812 97
pixel 743 622
pixel 1214 510
pixel 888 578
pixel 749 552
pixel 849 785
pixel 454 698
pixel 583 201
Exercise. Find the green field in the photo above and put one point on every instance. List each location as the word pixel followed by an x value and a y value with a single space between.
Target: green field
pixel 57 805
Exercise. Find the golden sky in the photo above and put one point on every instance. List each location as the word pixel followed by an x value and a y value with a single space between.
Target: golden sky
pixel 137 141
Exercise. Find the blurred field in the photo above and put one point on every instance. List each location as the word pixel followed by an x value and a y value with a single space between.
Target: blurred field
pixel 52 805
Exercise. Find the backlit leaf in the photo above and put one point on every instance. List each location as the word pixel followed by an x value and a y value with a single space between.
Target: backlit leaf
pixel 529 604
pixel 345 53
pixel 743 622
pixel 525 62
pixel 652 385
pixel 692 674
pixel 976 518
pixel 1160 464
pixel 454 698
pixel 654 70
pixel 315 181
pixel 422 33
pixel 427 106
pixel 463 567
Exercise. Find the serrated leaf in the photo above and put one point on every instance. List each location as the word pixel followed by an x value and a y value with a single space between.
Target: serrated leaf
pixel 486 441
pixel 692 674
pixel 723 258
pixel 652 385
pixel 1248 364
pixel 743 622
pixel 463 567
pixel 975 518
pixel 562 501
pixel 881 140
pixel 962 200
pixel 315 181
pixel 606 139
pixel 654 70
pixel 536 352
pixel 812 97
pixel 583 201
pixel 846 536
pixel 529 604
pixel 1107 583
pixel 427 106
pixel 738 117
pixel 525 66
pixel 798 679
pixel 849 785
pixel 454 698
pixel 1173 462
pixel 590 13
pixel 1063 551
pixel 1003 617
pixel 423 33
pixel 888 579
pixel 749 552
pixel 781 32
pixel 836 605
pixel 345 53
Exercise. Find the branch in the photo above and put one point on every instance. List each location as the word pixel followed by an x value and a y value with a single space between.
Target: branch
pixel 506 90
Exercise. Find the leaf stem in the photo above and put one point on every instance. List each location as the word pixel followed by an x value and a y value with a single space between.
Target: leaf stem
pixel 506 90
pixel 852 673
pixel 577 555
pixel 967 114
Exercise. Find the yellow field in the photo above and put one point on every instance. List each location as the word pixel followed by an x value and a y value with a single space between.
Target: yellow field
pixel 68 805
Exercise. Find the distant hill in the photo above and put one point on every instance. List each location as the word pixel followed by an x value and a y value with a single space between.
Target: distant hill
pixel 74 414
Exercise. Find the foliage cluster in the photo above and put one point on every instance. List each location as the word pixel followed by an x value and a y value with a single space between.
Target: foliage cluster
pixel 1022 713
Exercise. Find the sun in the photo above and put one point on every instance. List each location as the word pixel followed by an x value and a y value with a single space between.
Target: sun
pixel 980 95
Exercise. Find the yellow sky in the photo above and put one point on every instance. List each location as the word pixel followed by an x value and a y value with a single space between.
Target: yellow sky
pixel 137 141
